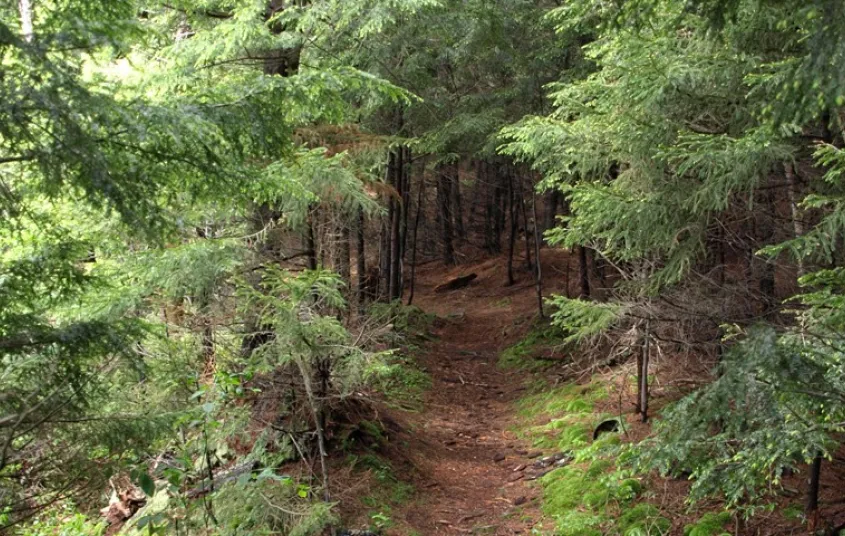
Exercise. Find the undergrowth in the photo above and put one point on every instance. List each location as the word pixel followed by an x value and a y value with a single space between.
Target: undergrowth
pixel 399 378
pixel 523 354
pixel 591 496
pixel 388 490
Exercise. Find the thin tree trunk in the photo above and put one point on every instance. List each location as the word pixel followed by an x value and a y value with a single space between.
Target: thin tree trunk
pixel 406 208
pixel 344 267
pixel 361 262
pixel 310 242
pixel 512 237
pixel 583 272
pixel 457 205
pixel 316 413
pixel 538 273
pixel 395 226
pixel 25 7
pixel 414 241
pixel 443 190
pixel 521 197
pixel 797 219
pixel 550 212
pixel 811 508
pixel 490 202
pixel 643 375
pixel 384 260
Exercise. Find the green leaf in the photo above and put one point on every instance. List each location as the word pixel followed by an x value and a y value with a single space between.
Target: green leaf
pixel 145 482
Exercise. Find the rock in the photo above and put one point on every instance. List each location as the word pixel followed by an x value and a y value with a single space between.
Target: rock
pixel 563 462
pixel 535 454
pixel 515 476
pixel 544 462
pixel 522 499
pixel 499 456
pixel 562 455
pixel 520 467
pixel 540 474
pixel 521 452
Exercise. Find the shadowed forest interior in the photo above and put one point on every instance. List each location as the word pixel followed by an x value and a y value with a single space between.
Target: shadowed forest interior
pixel 422 267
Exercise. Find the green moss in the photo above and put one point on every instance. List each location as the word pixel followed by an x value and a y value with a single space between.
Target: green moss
pixel 402 382
pixel 711 524
pixel 564 400
pixel 589 497
pixel 578 523
pixel 522 354
pixel 793 512
pixel 643 520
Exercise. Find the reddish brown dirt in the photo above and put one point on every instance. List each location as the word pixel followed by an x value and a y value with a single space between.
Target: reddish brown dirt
pixel 459 439
pixel 454 444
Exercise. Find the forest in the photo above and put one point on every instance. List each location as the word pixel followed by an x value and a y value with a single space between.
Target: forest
pixel 422 267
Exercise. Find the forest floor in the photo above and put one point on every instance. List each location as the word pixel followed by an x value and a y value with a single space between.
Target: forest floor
pixel 471 474
pixel 470 471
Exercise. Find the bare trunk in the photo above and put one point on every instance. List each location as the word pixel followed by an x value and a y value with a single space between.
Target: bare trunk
pixel 414 240
pixel 794 199
pixel 521 198
pixel 395 225
pixel 316 413
pixel 550 213
pixel 344 260
pixel 512 237
pixel 811 508
pixel 310 242
pixel 643 373
pixel 443 190
pixel 538 273
pixel 458 211
pixel 361 262
pixel 583 272
pixel 406 210
pixel 25 7
pixel 384 260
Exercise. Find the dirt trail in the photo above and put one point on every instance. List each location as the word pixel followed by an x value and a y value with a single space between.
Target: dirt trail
pixel 463 449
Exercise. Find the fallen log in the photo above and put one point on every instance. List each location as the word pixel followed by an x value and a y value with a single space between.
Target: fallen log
pixel 455 284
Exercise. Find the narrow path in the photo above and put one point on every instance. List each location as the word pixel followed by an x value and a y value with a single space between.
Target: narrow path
pixel 475 472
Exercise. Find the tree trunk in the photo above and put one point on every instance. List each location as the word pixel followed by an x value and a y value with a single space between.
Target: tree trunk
pixel 414 240
pixel 811 508
pixel 538 273
pixel 512 237
pixel 344 259
pixel 764 231
pixel 384 260
pixel 794 200
pixel 458 211
pixel 361 262
pixel 521 198
pixel 550 213
pixel 25 7
pixel 310 241
pixel 643 373
pixel 443 190
pixel 406 209
pixel 490 202
pixel 583 272
pixel 501 207
pixel 395 225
